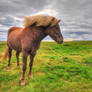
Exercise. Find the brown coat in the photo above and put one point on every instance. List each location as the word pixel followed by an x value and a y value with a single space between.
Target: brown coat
pixel 27 40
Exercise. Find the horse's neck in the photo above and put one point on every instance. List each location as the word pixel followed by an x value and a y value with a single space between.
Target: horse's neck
pixel 37 34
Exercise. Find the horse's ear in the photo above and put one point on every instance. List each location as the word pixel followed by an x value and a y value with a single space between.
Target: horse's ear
pixel 54 22
pixel 58 21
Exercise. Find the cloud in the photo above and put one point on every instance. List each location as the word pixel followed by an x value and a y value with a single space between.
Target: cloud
pixel 75 15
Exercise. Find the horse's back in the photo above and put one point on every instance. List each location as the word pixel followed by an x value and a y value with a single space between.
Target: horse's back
pixel 14 38
pixel 13 29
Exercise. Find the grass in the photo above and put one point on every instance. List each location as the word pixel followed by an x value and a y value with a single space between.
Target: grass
pixel 57 68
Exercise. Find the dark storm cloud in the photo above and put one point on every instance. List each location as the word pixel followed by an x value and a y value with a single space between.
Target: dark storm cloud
pixel 9 9
pixel 7 21
pixel 19 7
pixel 75 15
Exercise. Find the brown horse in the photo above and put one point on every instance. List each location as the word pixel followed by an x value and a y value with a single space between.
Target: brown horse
pixel 27 40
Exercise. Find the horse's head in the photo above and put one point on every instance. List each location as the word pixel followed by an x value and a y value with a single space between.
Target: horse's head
pixel 55 33
pixel 49 24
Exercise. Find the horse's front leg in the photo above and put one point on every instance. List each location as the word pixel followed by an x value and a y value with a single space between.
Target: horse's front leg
pixel 10 54
pixel 17 56
pixel 30 65
pixel 24 67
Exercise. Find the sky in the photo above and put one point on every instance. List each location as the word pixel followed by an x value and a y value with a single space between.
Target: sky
pixel 75 15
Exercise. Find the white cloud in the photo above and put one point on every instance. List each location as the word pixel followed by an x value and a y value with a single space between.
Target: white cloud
pixel 75 15
pixel 49 9
pixel 3 28
pixel 48 12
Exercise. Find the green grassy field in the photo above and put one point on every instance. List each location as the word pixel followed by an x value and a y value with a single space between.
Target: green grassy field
pixel 57 68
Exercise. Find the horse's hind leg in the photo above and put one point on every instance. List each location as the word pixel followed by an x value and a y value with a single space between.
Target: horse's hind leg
pixel 17 56
pixel 10 54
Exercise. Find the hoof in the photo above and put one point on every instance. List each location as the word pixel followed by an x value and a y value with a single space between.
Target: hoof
pixel 8 67
pixel 22 83
pixel 30 76
pixel 18 66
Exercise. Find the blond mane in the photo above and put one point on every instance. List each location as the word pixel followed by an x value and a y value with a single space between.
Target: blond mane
pixel 40 20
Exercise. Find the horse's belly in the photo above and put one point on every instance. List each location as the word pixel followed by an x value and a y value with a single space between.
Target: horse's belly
pixel 14 42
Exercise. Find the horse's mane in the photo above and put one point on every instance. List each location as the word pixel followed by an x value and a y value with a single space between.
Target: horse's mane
pixel 41 20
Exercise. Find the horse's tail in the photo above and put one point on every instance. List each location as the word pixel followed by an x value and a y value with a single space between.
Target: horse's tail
pixel 5 54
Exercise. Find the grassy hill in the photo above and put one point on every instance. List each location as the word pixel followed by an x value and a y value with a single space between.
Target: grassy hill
pixel 57 68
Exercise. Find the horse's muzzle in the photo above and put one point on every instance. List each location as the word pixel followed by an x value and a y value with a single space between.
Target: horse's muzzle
pixel 60 41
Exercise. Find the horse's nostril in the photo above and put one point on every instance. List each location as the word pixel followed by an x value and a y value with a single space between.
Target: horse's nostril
pixel 60 41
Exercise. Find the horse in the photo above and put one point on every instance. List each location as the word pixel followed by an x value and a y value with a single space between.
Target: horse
pixel 27 40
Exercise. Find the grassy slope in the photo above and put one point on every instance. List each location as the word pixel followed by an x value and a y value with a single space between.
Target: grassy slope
pixel 57 68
